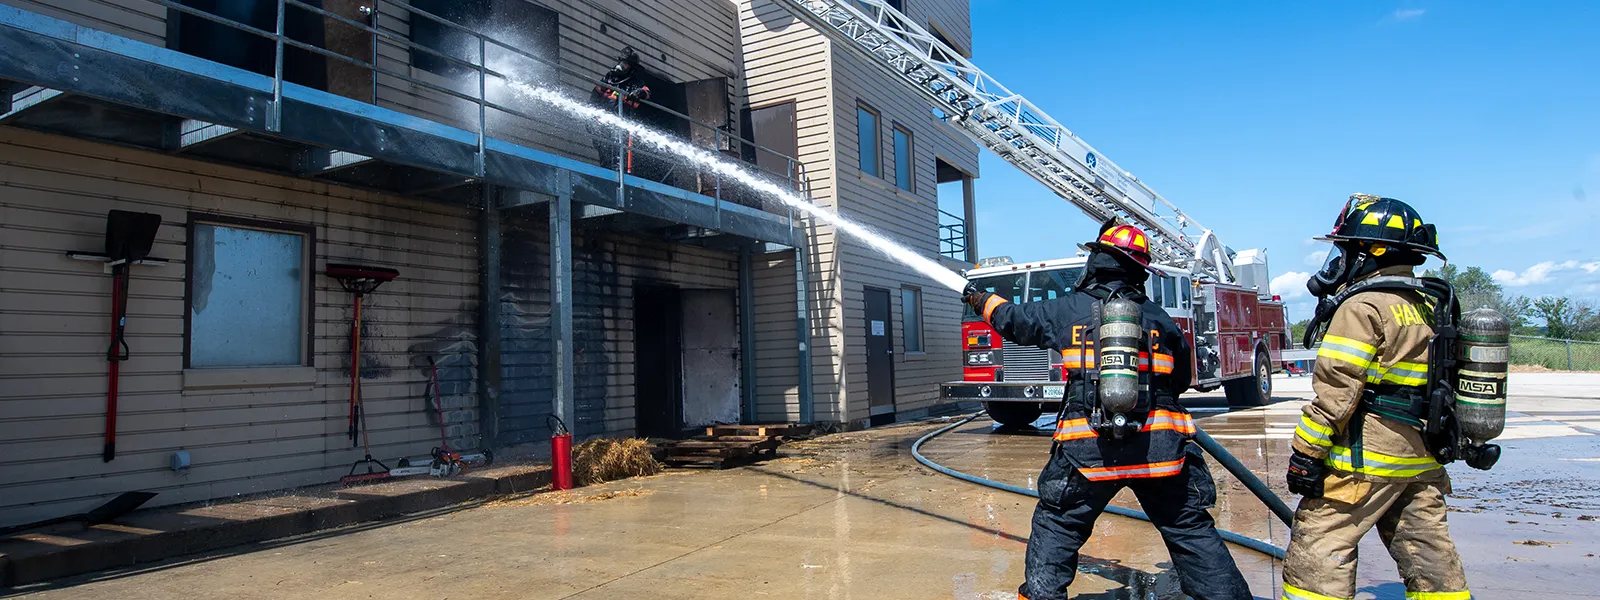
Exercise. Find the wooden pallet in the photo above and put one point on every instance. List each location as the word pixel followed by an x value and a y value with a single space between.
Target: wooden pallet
pixel 718 451
pixel 781 430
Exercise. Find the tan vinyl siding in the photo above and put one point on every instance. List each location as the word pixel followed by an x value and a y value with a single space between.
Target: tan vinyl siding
pixel 54 319
pixel 607 268
pixel 136 19
pixel 698 37
pixel 786 60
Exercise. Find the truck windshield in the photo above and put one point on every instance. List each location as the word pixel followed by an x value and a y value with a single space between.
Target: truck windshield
pixel 1008 286
pixel 1054 283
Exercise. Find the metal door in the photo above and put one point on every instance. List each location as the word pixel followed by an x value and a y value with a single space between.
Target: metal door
pixel 880 356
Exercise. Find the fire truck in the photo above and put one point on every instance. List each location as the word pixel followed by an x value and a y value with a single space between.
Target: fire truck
pixel 1221 298
pixel 1238 336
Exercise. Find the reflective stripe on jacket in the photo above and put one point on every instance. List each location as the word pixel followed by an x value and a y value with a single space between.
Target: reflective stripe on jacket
pixel 1376 337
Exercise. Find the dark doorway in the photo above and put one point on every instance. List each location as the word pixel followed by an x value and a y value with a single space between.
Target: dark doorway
pixel 880 356
pixel 658 355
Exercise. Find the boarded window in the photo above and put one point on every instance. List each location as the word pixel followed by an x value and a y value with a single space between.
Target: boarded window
pixel 867 139
pixel 911 318
pixel 904 162
pixel 248 288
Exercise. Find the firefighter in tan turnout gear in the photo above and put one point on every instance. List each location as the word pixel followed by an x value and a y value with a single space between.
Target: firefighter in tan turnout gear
pixel 1368 449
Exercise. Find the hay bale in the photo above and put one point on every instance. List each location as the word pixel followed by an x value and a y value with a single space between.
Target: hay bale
pixel 601 459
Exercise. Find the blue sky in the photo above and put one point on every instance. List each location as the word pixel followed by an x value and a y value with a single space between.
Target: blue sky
pixel 1260 118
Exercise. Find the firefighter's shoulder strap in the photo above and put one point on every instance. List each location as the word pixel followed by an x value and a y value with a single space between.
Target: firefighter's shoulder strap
pixel 1430 286
pixel 1417 406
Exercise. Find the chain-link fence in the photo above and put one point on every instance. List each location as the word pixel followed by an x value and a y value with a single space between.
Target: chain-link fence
pixel 1552 353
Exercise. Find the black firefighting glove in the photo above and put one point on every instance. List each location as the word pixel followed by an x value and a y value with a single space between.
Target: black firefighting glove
pixel 642 93
pixel 975 297
pixel 1306 475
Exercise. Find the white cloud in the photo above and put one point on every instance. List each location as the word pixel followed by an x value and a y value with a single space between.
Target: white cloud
pixel 1315 259
pixel 1541 273
pixel 1291 285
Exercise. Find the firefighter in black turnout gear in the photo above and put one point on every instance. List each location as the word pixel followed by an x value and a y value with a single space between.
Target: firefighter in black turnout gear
pixel 623 88
pixel 1092 458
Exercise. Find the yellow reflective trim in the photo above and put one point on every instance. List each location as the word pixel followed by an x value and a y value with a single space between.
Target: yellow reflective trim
pixel 1344 341
pixel 1404 380
pixel 1293 593
pixel 1310 438
pixel 1397 222
pixel 1461 595
pixel 1410 366
pixel 1382 465
pixel 1370 219
pixel 1326 352
pixel 1306 422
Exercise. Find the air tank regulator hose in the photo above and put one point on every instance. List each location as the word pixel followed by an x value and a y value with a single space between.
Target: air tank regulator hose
pixel 1205 441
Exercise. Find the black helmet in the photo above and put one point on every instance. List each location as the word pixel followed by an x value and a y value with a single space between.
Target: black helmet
pixel 1368 218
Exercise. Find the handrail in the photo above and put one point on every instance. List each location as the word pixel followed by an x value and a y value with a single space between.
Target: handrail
pixel 795 172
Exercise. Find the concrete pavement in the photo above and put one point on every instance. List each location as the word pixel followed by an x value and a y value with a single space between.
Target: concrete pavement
pixel 852 516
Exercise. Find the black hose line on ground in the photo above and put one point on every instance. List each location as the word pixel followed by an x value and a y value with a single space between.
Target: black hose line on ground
pixel 1210 445
pixel 1250 481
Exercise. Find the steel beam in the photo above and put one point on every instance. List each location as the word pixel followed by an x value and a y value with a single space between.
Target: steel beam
pixel 969 197
pixel 319 162
pixel 563 401
pixel 489 374
pixel 193 132
pixel 802 331
pixel 747 334
pixel 29 97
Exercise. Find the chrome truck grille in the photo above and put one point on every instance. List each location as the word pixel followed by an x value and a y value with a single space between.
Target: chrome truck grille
pixel 1026 363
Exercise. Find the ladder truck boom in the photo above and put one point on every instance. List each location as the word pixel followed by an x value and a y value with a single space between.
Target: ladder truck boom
pixel 1014 129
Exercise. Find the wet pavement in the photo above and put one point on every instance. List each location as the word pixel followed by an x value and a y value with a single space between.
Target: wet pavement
pixel 853 516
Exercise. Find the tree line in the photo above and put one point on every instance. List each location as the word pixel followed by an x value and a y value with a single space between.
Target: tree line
pixel 1547 316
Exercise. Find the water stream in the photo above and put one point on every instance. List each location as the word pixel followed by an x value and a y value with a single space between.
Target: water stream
pixel 928 267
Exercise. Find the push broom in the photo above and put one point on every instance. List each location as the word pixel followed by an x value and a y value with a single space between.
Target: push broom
pixel 360 280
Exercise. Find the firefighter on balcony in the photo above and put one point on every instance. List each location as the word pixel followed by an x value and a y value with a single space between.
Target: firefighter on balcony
pixel 1360 457
pixel 1145 447
pixel 622 88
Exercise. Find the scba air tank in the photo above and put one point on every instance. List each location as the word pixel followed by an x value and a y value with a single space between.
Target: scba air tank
pixel 1484 351
pixel 1118 357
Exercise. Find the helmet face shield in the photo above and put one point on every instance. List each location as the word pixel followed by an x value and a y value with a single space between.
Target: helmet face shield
pixel 1334 273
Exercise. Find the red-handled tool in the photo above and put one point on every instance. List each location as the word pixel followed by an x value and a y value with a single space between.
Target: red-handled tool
pixel 360 280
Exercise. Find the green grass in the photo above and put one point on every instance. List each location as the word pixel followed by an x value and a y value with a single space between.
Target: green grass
pixel 1553 354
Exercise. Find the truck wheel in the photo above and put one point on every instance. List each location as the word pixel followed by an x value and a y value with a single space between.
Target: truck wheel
pixel 1013 414
pixel 1254 389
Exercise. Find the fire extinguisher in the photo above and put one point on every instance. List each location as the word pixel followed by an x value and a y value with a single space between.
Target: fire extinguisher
pixel 560 454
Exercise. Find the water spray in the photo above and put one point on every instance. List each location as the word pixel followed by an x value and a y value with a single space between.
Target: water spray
pixel 708 160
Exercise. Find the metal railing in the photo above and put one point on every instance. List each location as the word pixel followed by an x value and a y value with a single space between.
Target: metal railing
pixel 952 236
pixel 516 122
pixel 1555 353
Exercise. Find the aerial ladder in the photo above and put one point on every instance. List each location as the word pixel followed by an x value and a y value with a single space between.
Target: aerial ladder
pixel 1015 130
pixel 1238 328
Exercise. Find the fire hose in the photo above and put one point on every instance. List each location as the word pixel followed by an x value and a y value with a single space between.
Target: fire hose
pixel 1206 442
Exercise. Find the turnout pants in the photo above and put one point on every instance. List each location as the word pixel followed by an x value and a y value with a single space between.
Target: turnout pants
pixel 1069 503
pixel 1410 518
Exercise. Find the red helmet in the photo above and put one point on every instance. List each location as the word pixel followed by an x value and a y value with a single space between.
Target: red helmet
pixel 1128 240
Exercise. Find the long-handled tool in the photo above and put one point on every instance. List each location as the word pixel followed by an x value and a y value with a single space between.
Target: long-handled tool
pixel 448 461
pixel 359 281
pixel 123 504
pixel 129 238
